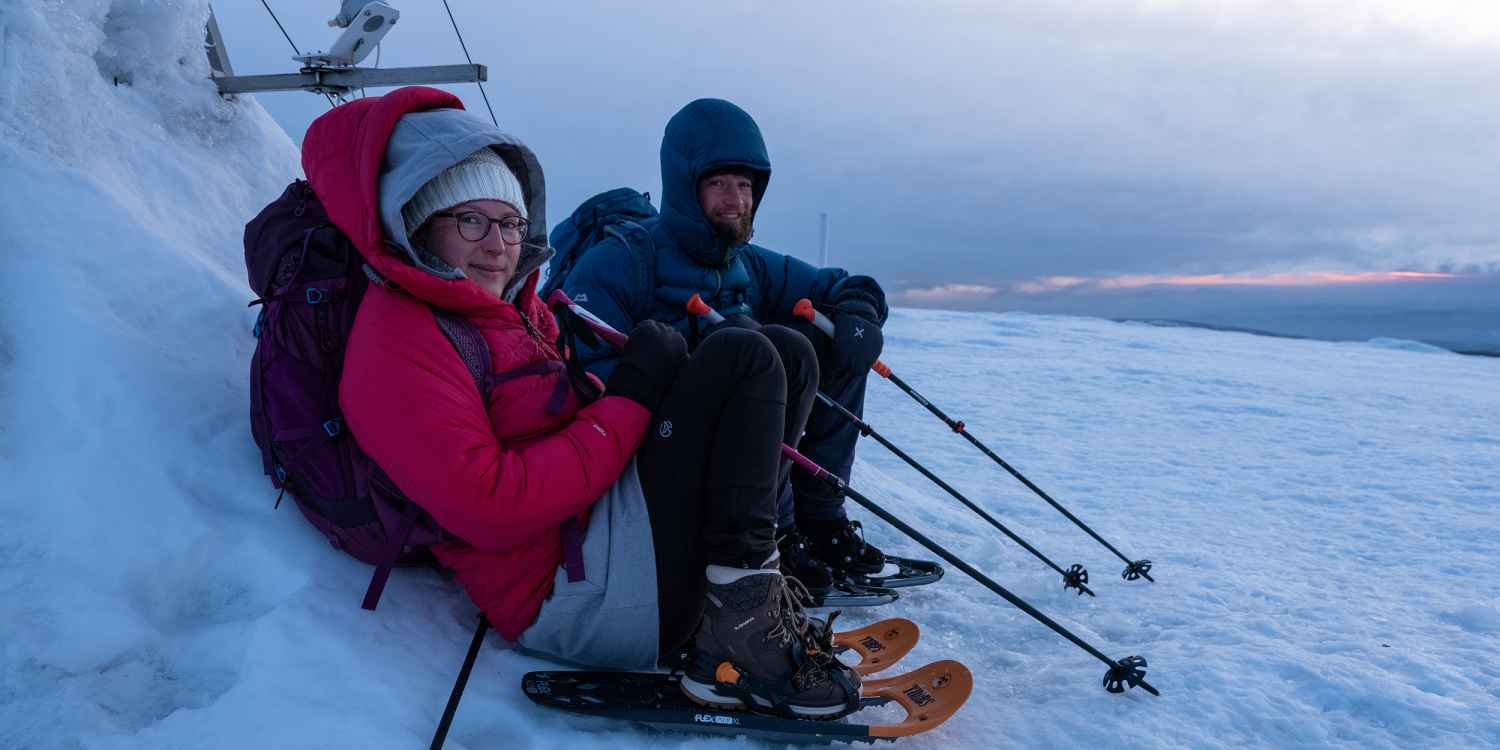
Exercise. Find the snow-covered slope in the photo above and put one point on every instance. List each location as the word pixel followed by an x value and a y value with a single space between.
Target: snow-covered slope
pixel 1322 516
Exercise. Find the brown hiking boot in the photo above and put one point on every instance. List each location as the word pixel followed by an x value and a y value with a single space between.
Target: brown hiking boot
pixel 755 648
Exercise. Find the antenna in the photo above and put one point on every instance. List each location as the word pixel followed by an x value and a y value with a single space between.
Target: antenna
pixel 337 72
pixel 823 240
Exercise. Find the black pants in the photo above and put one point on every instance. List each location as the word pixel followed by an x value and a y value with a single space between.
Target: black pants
pixel 711 466
pixel 829 442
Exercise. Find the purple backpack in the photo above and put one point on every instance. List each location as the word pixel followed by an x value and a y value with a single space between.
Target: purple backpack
pixel 309 279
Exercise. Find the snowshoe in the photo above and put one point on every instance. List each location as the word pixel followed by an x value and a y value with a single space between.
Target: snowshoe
pixel 847 593
pixel 878 645
pixel 930 695
pixel 907 572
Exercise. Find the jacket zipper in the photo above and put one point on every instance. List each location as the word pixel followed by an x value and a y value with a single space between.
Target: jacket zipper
pixel 535 335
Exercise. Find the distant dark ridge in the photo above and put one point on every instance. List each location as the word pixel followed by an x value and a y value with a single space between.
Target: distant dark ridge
pixel 1173 323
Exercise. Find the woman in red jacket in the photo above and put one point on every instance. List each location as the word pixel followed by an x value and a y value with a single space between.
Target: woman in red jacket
pixel 576 534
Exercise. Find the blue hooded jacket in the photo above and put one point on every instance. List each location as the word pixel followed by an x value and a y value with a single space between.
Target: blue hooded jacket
pixel 623 286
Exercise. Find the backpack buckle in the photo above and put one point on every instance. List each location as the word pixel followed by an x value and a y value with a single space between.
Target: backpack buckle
pixel 316 296
pixel 333 427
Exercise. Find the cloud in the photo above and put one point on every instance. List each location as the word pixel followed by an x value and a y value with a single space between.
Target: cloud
pixel 948 293
pixel 1028 141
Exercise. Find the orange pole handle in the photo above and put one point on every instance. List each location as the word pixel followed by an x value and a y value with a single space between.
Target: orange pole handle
pixel 804 310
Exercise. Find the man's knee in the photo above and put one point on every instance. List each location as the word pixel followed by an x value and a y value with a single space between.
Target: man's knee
pixel 743 352
pixel 797 353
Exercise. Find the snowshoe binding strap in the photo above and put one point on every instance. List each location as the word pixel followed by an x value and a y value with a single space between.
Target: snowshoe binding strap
pixel 754 693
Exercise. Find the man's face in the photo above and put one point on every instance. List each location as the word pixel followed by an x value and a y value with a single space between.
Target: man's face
pixel 727 199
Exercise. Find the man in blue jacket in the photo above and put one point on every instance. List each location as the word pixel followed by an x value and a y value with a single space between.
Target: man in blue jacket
pixel 714 171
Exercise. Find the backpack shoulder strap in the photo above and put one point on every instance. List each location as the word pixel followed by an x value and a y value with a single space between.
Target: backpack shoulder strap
pixel 642 246
pixel 471 347
pixel 475 353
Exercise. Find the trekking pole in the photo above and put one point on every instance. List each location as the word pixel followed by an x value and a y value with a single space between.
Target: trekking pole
pixel 1075 577
pixel 1127 672
pixel 462 682
pixel 1134 569
pixel 1123 674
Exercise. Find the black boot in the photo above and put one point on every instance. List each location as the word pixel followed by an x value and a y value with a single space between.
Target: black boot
pixel 841 545
pixel 797 561
pixel 755 648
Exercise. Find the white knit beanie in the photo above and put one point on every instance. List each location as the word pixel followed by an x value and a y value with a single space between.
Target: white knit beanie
pixel 482 175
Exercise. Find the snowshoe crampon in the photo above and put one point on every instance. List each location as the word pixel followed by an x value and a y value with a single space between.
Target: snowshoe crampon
pixel 908 572
pixel 929 695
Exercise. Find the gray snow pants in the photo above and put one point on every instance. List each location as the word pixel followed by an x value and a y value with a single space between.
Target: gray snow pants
pixel 608 619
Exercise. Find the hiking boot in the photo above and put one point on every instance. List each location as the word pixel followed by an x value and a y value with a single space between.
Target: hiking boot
pixel 756 649
pixel 797 561
pixel 840 543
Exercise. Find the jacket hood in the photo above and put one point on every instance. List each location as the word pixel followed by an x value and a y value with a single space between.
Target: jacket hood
pixel 703 136
pixel 367 158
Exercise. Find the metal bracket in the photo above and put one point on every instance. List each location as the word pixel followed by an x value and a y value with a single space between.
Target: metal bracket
pixel 328 80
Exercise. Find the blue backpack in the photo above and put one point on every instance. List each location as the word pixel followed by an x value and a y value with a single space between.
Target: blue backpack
pixel 612 213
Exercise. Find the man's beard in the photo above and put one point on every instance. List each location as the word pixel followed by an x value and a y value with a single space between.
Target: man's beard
pixel 732 232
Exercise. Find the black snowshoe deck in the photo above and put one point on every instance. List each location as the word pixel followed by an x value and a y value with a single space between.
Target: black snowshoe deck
pixel 930 696
pixel 910 572
pixel 846 593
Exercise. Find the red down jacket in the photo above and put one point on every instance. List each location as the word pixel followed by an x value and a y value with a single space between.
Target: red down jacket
pixel 502 478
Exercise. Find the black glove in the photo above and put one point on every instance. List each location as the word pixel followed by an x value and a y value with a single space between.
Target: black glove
pixel 856 339
pixel 863 289
pixel 648 364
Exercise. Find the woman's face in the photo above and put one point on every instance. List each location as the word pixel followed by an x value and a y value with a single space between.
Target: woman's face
pixel 490 261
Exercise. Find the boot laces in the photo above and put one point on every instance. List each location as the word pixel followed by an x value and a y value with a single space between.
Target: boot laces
pixel 812 645
pixel 786 608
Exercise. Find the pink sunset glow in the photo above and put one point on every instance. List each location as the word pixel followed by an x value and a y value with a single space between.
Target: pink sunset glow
pixel 1295 278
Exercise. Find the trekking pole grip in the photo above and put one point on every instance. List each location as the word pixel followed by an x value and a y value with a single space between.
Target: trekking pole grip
pixel 604 330
pixel 804 309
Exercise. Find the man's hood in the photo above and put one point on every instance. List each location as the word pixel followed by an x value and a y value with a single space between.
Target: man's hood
pixel 367 158
pixel 703 136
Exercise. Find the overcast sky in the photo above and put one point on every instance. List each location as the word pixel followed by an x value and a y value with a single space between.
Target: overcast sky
pixel 995 154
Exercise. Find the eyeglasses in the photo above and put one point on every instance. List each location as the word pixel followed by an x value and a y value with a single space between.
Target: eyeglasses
pixel 474 226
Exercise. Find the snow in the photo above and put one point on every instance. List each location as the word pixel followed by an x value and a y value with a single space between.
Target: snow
pixel 1406 344
pixel 1321 516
